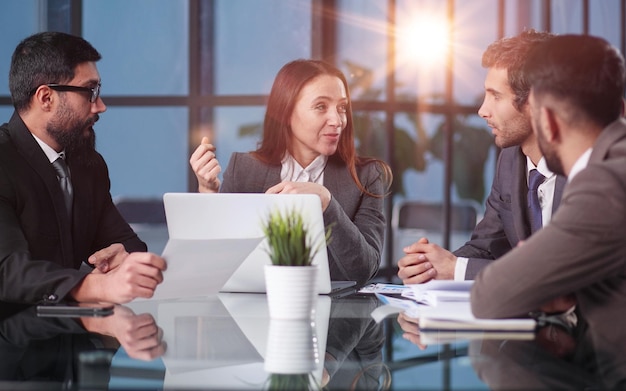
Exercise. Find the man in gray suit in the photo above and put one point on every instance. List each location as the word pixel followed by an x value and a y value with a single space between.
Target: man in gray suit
pixel 506 221
pixel 577 85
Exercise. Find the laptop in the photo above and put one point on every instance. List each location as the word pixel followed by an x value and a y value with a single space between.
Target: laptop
pixel 234 218
pixel 197 264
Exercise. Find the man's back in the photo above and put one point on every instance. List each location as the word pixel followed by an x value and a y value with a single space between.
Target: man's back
pixel 582 250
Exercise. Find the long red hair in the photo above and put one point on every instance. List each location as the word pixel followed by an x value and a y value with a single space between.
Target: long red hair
pixel 288 83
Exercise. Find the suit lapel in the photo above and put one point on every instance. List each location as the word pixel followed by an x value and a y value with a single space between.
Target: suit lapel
pixel 272 176
pixel 558 192
pixel 519 191
pixel 34 156
pixel 83 196
pixel 335 180
pixel 330 178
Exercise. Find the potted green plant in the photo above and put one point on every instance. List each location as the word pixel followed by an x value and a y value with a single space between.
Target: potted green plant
pixel 292 382
pixel 289 242
pixel 291 277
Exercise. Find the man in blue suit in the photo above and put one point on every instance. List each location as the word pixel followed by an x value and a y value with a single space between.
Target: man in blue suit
pixel 506 221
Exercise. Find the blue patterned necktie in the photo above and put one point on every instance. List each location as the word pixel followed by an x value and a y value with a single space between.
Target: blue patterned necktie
pixel 534 207
pixel 64 180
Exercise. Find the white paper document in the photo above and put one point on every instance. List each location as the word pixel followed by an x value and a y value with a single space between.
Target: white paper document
pixel 435 292
pixel 384 289
pixel 458 316
pixel 201 267
pixel 445 305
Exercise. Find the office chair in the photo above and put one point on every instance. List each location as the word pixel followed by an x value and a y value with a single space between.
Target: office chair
pixel 412 220
pixel 147 218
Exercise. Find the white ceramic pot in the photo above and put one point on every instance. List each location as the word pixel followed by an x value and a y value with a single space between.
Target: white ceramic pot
pixel 291 291
pixel 291 347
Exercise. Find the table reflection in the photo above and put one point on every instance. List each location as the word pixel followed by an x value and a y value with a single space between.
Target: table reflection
pixel 226 341
pixel 65 352
pixel 562 353
pixel 558 358
pixel 353 358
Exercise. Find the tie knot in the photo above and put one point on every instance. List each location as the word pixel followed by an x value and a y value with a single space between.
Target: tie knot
pixel 61 168
pixel 535 179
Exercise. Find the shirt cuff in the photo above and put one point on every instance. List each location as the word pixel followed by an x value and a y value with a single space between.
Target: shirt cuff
pixel 460 268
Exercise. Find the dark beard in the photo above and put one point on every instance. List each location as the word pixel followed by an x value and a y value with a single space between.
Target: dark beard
pixel 83 151
pixel 79 140
pixel 552 159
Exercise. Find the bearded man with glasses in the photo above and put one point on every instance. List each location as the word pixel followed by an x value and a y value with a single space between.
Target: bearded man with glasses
pixel 56 210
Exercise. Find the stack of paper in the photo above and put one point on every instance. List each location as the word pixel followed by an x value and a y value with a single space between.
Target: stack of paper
pixel 435 292
pixel 445 305
pixel 384 289
pixel 458 316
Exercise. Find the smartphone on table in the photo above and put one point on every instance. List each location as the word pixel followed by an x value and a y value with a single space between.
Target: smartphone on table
pixel 74 309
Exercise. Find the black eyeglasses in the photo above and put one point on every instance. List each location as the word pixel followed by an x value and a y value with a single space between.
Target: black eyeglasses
pixel 95 92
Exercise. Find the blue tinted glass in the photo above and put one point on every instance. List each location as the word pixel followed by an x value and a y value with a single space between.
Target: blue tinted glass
pixel 254 39
pixel 19 19
pixel 362 46
pixel 567 16
pixel 237 129
pixel 5 113
pixel 475 27
pixel 144 45
pixel 604 20
pixel 421 54
pixel 423 178
pixel 145 148
pixel 521 15
pixel 422 173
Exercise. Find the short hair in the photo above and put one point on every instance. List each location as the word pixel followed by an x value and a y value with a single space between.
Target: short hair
pixel 510 53
pixel 44 58
pixel 583 71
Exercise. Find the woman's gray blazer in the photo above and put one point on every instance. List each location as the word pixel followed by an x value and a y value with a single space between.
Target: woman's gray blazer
pixel 357 220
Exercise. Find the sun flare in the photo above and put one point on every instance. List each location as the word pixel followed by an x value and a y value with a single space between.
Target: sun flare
pixel 425 41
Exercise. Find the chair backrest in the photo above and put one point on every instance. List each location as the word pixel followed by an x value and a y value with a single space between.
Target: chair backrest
pixel 429 216
pixel 141 210
pixel 411 220
pixel 146 216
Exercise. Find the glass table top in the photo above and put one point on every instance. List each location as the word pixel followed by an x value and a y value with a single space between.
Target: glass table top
pixel 228 341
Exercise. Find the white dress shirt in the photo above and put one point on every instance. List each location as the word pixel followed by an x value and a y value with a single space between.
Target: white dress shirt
pixel 293 172
pixel 579 165
pixel 51 154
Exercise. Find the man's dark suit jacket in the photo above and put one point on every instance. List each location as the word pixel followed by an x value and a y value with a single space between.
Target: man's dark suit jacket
pixel 506 220
pixel 40 249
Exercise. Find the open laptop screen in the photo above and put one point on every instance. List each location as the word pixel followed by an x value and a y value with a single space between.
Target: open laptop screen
pixel 201 216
